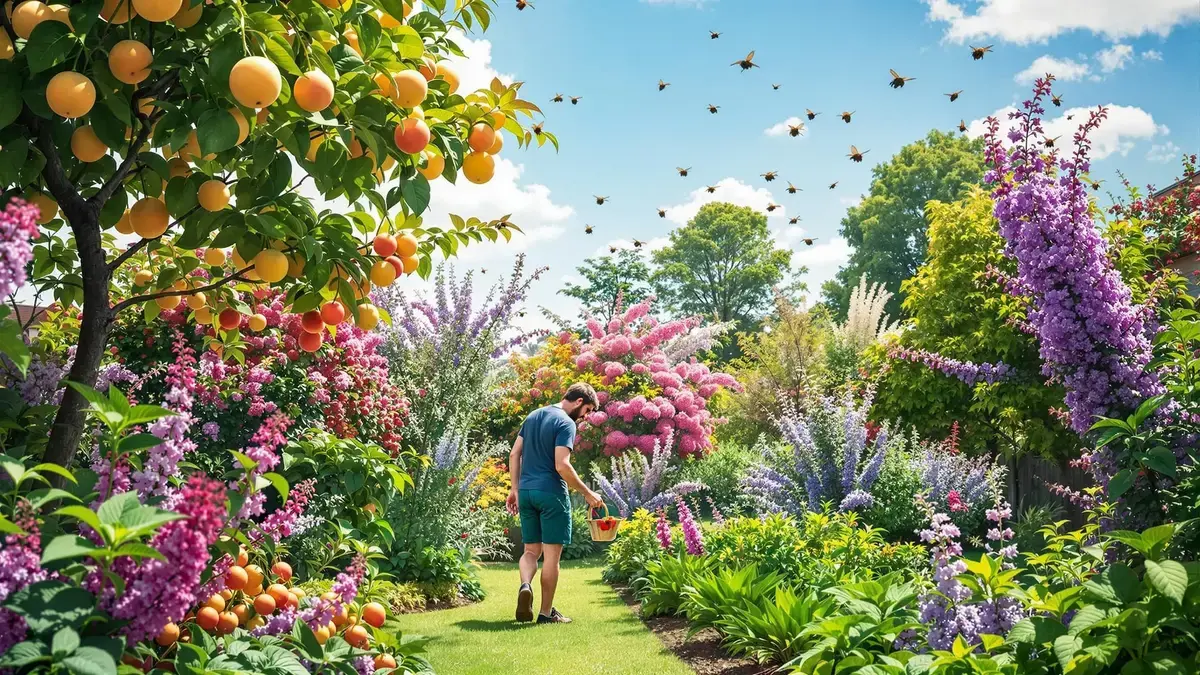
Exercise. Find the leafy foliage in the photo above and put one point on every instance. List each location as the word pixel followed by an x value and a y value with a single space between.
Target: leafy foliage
pixel 610 282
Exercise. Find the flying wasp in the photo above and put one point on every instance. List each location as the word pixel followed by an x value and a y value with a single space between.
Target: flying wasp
pixel 682 171
pixel 978 52
pixel 769 176
pixel 795 129
pixel 855 155
pixel 746 63
pixel 846 116
pixel 898 80
pixel 811 115
pixel 600 200
pixel 954 95
pixel 663 85
pixel 792 189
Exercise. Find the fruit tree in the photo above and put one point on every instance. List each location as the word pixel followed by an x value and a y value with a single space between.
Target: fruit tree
pixel 201 151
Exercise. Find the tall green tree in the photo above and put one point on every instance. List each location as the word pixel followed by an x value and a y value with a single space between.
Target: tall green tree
pixel 887 229
pixel 624 275
pixel 722 264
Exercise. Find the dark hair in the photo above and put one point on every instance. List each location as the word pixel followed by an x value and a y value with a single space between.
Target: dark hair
pixel 581 390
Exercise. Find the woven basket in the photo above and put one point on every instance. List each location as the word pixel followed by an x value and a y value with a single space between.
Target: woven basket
pixel 605 528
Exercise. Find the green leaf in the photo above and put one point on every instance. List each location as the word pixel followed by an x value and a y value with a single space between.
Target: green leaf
pixel 68 547
pixel 9 527
pixel 1168 578
pixel 90 661
pixel 416 194
pixel 280 483
pixel 65 641
pixel 81 513
pixel 308 641
pixel 49 45
pixel 1085 618
pixel 113 510
pixel 1065 648
pixel 281 54
pixel 1162 460
pixel 49 605
pixel 137 442
pixel 1036 630
pixel 135 549
pixel 245 460
pixel 55 469
pixel 12 345
pixel 1120 483
pixel 217 130
pixel 408 43
pixel 1117 584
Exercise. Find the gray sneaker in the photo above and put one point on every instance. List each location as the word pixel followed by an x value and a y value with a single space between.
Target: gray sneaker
pixel 525 603
pixel 555 617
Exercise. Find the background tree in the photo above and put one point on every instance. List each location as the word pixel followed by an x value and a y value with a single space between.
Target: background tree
pixel 887 229
pixel 624 274
pixel 245 104
pixel 722 264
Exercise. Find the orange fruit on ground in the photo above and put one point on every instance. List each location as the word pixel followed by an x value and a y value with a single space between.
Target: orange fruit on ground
pixel 196 301
pixel 236 578
pixel 207 618
pixel 384 245
pixel 312 322
pixel 497 145
pixel 313 91
pixel 382 273
pixel 374 614
pixel 479 167
pixel 271 265
pixel 129 61
pixel 283 571
pixel 226 622
pixel 215 601
pixel 255 82
pixel 384 661
pixel 435 164
pixel 411 89
pixel 168 301
pixel 188 14
pixel 27 15
pixel 86 146
pixel 257 322
pixel 149 217
pixel 47 207
pixel 70 94
pixel 213 195
pixel 406 245
pixel 143 277
pixel 168 636
pixel 332 313
pixel 357 636
pixel 481 137
pixel 123 225
pixel 264 604
pixel 412 135
pixel 368 316
pixel 216 257
pixel 311 342
pixel 117 11
pixel 447 73
pixel 157 10
pixel 230 318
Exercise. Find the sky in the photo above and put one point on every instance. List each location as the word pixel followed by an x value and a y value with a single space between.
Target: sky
pixel 625 138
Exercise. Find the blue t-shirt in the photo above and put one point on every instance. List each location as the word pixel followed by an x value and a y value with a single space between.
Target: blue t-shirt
pixel 543 430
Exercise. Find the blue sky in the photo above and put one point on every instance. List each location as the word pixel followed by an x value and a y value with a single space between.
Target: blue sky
pixel 625 138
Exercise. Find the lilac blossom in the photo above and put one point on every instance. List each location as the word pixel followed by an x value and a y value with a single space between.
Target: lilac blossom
pixel 965 371
pixel 18 227
pixel 20 566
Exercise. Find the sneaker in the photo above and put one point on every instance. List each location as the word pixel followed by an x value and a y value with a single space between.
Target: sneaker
pixel 525 603
pixel 555 617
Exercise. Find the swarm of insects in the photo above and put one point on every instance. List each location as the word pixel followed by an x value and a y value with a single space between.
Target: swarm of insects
pixel 855 155
pixel 846 116
pixel 746 63
pixel 898 80
pixel 811 115
pixel 954 95
pixel 978 52
pixel 769 176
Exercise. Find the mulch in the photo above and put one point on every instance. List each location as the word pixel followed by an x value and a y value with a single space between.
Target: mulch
pixel 702 652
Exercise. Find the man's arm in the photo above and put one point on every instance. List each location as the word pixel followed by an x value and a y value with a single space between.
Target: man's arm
pixel 514 473
pixel 562 463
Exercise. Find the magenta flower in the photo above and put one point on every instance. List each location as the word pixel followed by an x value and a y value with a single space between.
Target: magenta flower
pixel 18 226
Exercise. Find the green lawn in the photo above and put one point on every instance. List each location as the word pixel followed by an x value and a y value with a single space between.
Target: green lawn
pixel 484 639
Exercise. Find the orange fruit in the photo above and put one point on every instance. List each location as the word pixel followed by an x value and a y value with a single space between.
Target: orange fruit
pixel 242 557
pixel 386 20
pixel 314 144
pixel 322 635
pixel 384 661
pixel 293 601
pixel 357 636
pixel 264 604
pixel 282 570
pixel 386 84
pixel 498 120
pixel 382 273
pixel 117 11
pixel 177 168
pixel 6 47
pixel 447 73
pixel 149 217
pixel 168 301
pixel 368 316
pixel 374 614
pixel 204 315
pixel 295 264
pixel 190 152
pixel 196 301
pixel 279 592
pixel 243 124
pixel 384 245
pixel 216 257
pixel 157 10
pixel 86 146
pixel 298 592
pixel 129 61
pixel 213 196
pixel 230 318
pixel 312 322
pixel 406 245
pixel 168 636
pixel 481 137
pixel 226 622
pixel 236 577
pixel 70 94
pixel 271 265
pixel 311 342
pixel 215 601
pixel 27 15
pixel 332 313
pixel 143 277
pixel 242 612
pixel 351 36
pixel 412 135
pixel 411 88
pixel 47 207
pixel 410 264
pixel 497 145
pixel 479 167
pixel 313 91
pixel 188 14
pixel 435 164
pixel 396 263
pixel 257 322
pixel 207 618
pixel 255 82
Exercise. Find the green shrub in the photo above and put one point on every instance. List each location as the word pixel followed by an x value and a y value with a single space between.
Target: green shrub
pixel 398 597
pixel 721 591
pixel 773 631
pixel 667 580
pixel 721 473
pixel 773 544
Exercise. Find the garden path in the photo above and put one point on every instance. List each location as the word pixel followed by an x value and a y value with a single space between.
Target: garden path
pixel 482 639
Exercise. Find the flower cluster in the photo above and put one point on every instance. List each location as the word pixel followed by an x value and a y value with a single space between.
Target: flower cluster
pixel 693 539
pixel 18 226
pixel 283 522
pixel 998 533
pixel 20 566
pixel 662 529
pixel 162 461
pixel 638 483
pixel 965 371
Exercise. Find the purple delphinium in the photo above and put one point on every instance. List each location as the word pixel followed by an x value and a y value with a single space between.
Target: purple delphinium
pixel 693 539
pixel 636 483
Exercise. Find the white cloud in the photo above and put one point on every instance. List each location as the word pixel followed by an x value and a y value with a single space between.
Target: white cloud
pixel 1062 69
pixel 850 201
pixel 782 128
pixel 474 68
pixel 1164 152
pixel 729 190
pixel 823 259
pixel 1025 21
pixel 1119 133
pixel 1152 55
pixel 1115 57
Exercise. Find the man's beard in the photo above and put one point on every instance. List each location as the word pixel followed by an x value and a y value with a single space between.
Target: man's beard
pixel 574 414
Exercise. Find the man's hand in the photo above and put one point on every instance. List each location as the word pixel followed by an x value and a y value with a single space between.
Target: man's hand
pixel 511 502
pixel 594 499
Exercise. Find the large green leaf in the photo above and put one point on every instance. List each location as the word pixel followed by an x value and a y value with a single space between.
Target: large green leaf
pixel 1120 483
pixel 10 80
pixel 67 547
pixel 1168 578
pixel 49 45
pixel 90 661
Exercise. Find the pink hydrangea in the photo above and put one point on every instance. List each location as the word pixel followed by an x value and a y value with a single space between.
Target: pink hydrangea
pixel 613 369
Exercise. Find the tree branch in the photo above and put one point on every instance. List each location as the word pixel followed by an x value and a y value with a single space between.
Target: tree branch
pixel 140 244
pixel 138 299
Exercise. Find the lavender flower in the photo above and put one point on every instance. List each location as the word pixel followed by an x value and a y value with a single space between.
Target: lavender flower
pixel 637 482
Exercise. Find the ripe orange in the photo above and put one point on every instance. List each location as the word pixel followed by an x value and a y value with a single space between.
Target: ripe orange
pixel 396 263
pixel 243 124
pixel 435 164
pixel 322 635
pixel 70 94
pixel 313 91
pixel 447 73
pixel 27 15
pixel 190 152
pixel 157 10
pixel 479 167
pixel 382 273
pixel 332 313
pixel 298 592
pixel 242 612
pixel 216 257
pixel 143 277
pixel 207 618
pixel 168 301
pixel 368 316
pixel 255 82
pixel 406 245
pixel 386 84
pixel 386 20
pixel 295 264
pixel 226 622
pixel 428 69
pixel 123 225
pixel 384 245
pixel 86 146
pixel 282 570
pixel 149 217
pixel 384 661
pixel 374 614
pixel 311 342
pixel 279 592
pixel 498 120
pixel 196 301
pixel 213 195
pixel 129 61
pixel 410 264
pixel 230 318
pixel 188 14
pixel 293 600
pixel 264 604
pixel 177 168
pixel 215 601
pixel 412 135
pixel 481 137
pixel 411 88
pixel 242 557
pixel 168 636
pixel 312 322
pixel 271 265
pixel 497 145
pixel 47 207
pixel 358 636
pixel 351 36
pixel 204 315
pixel 236 578
pixel 117 11
pixel 257 322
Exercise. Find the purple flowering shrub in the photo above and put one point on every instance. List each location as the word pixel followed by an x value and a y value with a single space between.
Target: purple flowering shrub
pixel 637 483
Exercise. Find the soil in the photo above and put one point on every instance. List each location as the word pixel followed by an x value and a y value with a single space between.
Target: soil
pixel 702 652
pixel 432 605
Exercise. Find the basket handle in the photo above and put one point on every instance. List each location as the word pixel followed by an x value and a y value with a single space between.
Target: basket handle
pixel 593 510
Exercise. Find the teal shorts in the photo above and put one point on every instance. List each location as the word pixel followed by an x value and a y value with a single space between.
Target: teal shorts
pixel 545 517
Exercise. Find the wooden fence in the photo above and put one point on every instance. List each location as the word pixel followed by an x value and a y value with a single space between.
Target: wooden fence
pixel 1028 478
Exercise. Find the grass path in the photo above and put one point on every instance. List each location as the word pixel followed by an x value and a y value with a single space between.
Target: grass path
pixel 483 638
